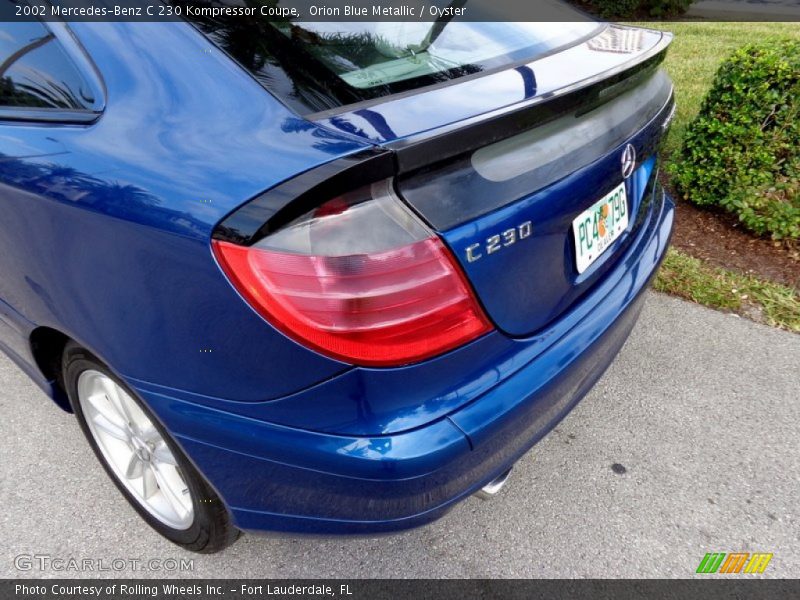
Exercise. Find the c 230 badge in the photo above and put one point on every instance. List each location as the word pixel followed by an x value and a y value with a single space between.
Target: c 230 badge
pixel 495 243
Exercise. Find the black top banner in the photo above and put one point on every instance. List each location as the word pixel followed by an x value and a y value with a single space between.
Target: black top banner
pixel 379 10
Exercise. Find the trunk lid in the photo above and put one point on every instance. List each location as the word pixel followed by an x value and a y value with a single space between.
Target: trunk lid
pixel 503 186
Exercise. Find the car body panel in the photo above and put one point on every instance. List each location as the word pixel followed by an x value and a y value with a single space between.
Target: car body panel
pixel 15 333
pixel 380 401
pixel 526 285
pixel 458 102
pixel 386 483
pixel 126 207
pixel 106 239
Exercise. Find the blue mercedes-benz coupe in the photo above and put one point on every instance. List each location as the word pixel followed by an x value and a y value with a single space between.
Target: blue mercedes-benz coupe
pixel 323 277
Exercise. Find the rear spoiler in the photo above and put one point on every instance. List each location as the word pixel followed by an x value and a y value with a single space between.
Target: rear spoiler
pixel 620 69
pixel 492 106
pixel 584 95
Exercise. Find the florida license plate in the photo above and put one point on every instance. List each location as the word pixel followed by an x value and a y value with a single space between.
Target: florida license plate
pixel 596 228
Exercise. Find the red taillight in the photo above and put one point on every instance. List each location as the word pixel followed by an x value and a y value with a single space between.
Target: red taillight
pixel 366 283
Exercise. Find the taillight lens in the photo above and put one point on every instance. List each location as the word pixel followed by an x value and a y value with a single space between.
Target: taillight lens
pixel 361 279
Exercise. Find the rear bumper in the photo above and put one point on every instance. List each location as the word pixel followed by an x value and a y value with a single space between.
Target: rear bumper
pixel 274 477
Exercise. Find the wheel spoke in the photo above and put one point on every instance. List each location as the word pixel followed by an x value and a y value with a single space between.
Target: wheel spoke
pixel 101 403
pixel 149 485
pixel 169 493
pixel 135 467
pixel 113 394
pixel 162 454
pixel 150 434
pixel 107 426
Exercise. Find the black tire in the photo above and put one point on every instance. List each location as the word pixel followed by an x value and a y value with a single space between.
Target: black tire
pixel 211 529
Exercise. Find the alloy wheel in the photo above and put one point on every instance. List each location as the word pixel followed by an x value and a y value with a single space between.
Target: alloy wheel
pixel 135 450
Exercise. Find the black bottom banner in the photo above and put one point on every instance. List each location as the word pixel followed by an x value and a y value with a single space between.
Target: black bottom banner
pixel 253 589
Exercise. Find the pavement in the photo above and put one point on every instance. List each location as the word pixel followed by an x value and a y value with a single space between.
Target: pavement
pixel 699 417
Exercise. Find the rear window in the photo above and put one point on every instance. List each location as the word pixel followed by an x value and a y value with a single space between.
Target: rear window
pixel 319 66
pixel 36 73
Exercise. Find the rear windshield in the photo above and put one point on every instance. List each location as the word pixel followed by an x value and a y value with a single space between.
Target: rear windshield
pixel 319 66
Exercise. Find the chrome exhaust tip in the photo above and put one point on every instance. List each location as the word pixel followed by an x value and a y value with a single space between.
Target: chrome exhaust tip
pixel 491 489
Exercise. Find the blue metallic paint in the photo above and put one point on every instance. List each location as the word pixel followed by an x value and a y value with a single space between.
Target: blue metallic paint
pixel 366 401
pixel 416 114
pixel 332 483
pixel 177 148
pixel 105 236
pixel 516 276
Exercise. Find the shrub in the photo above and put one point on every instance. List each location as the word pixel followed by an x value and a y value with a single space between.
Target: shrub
pixel 629 9
pixel 742 151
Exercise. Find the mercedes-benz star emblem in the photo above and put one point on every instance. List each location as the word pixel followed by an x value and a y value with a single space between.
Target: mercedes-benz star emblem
pixel 628 161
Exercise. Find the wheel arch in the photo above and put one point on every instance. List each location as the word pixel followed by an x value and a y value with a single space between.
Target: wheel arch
pixel 47 347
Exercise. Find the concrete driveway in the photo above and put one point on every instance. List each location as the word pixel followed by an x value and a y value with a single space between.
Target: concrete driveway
pixel 699 415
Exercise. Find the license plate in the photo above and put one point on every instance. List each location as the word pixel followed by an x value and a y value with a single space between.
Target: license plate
pixel 596 228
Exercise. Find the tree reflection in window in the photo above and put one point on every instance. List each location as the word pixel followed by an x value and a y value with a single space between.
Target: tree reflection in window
pixel 35 72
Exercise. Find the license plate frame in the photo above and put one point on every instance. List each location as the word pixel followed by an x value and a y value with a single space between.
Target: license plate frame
pixel 599 226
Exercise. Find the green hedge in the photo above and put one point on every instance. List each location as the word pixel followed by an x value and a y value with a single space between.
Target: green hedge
pixel 742 151
pixel 631 9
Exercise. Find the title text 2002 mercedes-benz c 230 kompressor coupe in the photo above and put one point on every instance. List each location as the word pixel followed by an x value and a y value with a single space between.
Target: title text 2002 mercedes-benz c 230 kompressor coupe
pixel 323 277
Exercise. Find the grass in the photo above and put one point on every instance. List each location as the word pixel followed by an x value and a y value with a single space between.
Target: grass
pixel 763 301
pixel 695 55
pixel 693 59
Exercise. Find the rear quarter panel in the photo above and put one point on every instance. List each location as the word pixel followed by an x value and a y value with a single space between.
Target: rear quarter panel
pixel 105 229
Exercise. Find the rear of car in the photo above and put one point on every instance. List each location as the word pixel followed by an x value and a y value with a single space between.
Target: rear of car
pixel 479 265
pixel 361 273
